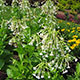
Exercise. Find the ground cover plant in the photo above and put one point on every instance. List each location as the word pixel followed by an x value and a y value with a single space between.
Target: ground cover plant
pixel 72 5
pixel 31 44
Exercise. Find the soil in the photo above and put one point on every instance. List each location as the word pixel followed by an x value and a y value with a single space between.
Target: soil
pixel 2 75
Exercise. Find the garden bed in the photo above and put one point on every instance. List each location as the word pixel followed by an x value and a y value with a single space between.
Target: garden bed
pixel 68 16
pixel 35 45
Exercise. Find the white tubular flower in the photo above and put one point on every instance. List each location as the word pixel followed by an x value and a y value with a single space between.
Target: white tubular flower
pixel 61 38
pixel 42 47
pixel 64 72
pixel 10 43
pixel 52 68
pixel 41 54
pixel 68 67
pixel 39 20
pixel 67 48
pixel 31 43
pixel 34 74
pixel 42 76
pixel 51 54
pixel 46 56
pixel 49 64
pixel 76 60
pixel 38 77
pixel 34 68
pixel 41 35
pixel 23 27
pixel 43 41
pixel 56 65
pixel 49 77
pixel 15 45
pixel 45 27
pixel 52 61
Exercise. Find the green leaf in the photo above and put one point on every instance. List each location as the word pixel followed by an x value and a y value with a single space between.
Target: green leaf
pixel 78 68
pixel 9 73
pixel 1 63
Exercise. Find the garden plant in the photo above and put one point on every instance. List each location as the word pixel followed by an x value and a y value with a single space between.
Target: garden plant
pixel 34 45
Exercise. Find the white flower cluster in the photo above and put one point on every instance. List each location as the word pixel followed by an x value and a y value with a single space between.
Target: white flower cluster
pixel 54 52
pixel 18 28
pixel 49 7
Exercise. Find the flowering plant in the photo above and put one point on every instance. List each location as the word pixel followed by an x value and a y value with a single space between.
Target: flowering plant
pixel 38 51
pixel 71 33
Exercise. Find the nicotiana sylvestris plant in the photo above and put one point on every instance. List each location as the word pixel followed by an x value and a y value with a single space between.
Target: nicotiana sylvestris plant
pixel 53 50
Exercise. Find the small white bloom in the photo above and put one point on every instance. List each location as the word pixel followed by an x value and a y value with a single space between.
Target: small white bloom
pixel 48 76
pixel 56 66
pixel 76 60
pixel 65 71
pixel 53 48
pixel 44 58
pixel 9 28
pixel 62 38
pixel 58 27
pixel 10 43
pixel 34 74
pixel 17 26
pixel 42 76
pixel 26 27
pixel 51 54
pixel 53 61
pixel 62 55
pixel 43 41
pixel 44 51
pixel 69 50
pixel 50 42
pixel 57 47
pixel 68 67
pixel 41 54
pixel 59 67
pixel 15 45
pixel 23 40
pixel 59 50
pixel 45 27
pixel 54 28
pixel 18 33
pixel 64 51
pixel 14 33
pixel 36 44
pixel 45 18
pixel 34 68
pixel 46 55
pixel 49 64
pixel 30 37
pixel 41 35
pixel 52 68
pixel 37 77
pixel 42 47
pixel 39 20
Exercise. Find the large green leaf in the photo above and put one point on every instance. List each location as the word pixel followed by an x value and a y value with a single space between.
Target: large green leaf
pixel 9 73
